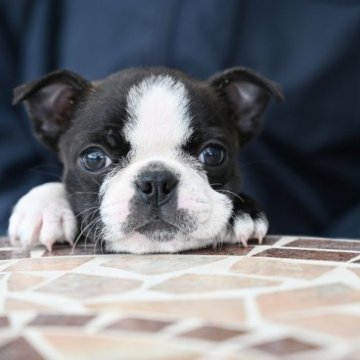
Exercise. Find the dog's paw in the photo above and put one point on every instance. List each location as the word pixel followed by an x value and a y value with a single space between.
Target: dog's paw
pixel 43 216
pixel 247 227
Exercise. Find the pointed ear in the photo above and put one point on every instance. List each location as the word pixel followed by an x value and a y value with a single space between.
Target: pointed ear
pixel 50 103
pixel 247 94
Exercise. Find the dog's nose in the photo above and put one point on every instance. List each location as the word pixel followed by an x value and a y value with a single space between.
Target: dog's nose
pixel 156 187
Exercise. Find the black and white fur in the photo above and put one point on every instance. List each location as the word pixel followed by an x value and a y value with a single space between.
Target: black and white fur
pixel 154 192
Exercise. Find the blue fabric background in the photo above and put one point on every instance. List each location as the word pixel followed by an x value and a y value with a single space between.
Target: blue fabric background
pixel 304 168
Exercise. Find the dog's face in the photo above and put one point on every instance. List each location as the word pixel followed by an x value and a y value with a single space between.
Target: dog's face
pixel 149 154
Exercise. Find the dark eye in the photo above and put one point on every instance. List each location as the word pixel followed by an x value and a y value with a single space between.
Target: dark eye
pixel 94 159
pixel 213 155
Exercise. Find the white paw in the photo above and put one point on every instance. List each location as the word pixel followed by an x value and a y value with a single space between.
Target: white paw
pixel 43 216
pixel 246 228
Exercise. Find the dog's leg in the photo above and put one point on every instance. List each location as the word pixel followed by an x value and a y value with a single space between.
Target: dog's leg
pixel 43 216
pixel 248 221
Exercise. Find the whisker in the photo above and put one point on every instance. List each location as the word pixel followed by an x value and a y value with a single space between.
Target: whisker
pixel 82 230
pixel 93 207
pixel 95 181
pixel 96 236
pixel 94 224
pixel 97 240
pixel 215 184
pixel 101 245
pixel 88 216
pixel 102 240
pixel 232 193
pixel 83 193
pixel 93 221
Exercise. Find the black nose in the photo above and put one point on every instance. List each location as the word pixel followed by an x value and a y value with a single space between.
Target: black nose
pixel 157 187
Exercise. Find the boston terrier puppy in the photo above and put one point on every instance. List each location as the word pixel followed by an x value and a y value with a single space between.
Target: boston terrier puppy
pixel 149 157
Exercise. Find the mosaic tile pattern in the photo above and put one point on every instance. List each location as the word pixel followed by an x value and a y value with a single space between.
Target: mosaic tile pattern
pixel 289 298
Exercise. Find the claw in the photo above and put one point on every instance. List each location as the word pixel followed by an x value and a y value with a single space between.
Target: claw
pixel 246 227
pixel 70 242
pixel 244 242
pixel 49 246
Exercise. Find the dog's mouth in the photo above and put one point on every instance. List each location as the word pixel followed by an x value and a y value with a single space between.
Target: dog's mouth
pixel 157 226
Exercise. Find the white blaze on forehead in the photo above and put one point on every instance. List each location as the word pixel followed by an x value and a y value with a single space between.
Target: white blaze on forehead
pixel 158 116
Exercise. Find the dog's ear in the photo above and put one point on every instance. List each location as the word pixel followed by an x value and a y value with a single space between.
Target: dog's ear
pixel 247 94
pixel 51 101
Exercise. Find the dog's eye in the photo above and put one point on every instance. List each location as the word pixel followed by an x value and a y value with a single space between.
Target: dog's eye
pixel 94 160
pixel 213 155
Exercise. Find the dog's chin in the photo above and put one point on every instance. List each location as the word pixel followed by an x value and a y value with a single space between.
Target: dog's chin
pixel 158 230
pixel 156 236
pixel 155 242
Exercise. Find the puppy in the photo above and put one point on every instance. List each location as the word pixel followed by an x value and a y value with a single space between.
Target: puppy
pixel 149 158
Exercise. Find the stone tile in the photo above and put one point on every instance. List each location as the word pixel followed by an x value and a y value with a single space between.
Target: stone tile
pixel 12 254
pixel 247 355
pixel 286 346
pixel 22 281
pixel 233 249
pixel 60 320
pixel 5 263
pixel 157 264
pixel 199 283
pixel 212 333
pixel 49 264
pixel 92 347
pixel 67 251
pixel 269 240
pixel 4 242
pixel 136 324
pixel 307 254
pixel 354 355
pixel 12 304
pixel 282 302
pixel 228 310
pixel 356 271
pixel 342 325
pixel 80 249
pixel 279 267
pixel 225 249
pixel 326 244
pixel 4 322
pixel 19 349
pixel 79 286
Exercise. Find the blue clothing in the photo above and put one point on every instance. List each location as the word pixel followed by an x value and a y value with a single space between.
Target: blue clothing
pixel 304 168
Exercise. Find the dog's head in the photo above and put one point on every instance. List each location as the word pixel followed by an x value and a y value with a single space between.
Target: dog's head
pixel 149 154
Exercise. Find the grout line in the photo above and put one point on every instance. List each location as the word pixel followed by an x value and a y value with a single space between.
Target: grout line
pixel 101 321
pixel 40 345
pixel 284 240
pixel 183 325
pixel 356 258
pixel 258 249
pixel 320 250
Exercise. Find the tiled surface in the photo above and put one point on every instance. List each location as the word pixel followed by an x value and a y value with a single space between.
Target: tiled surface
pixel 290 298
